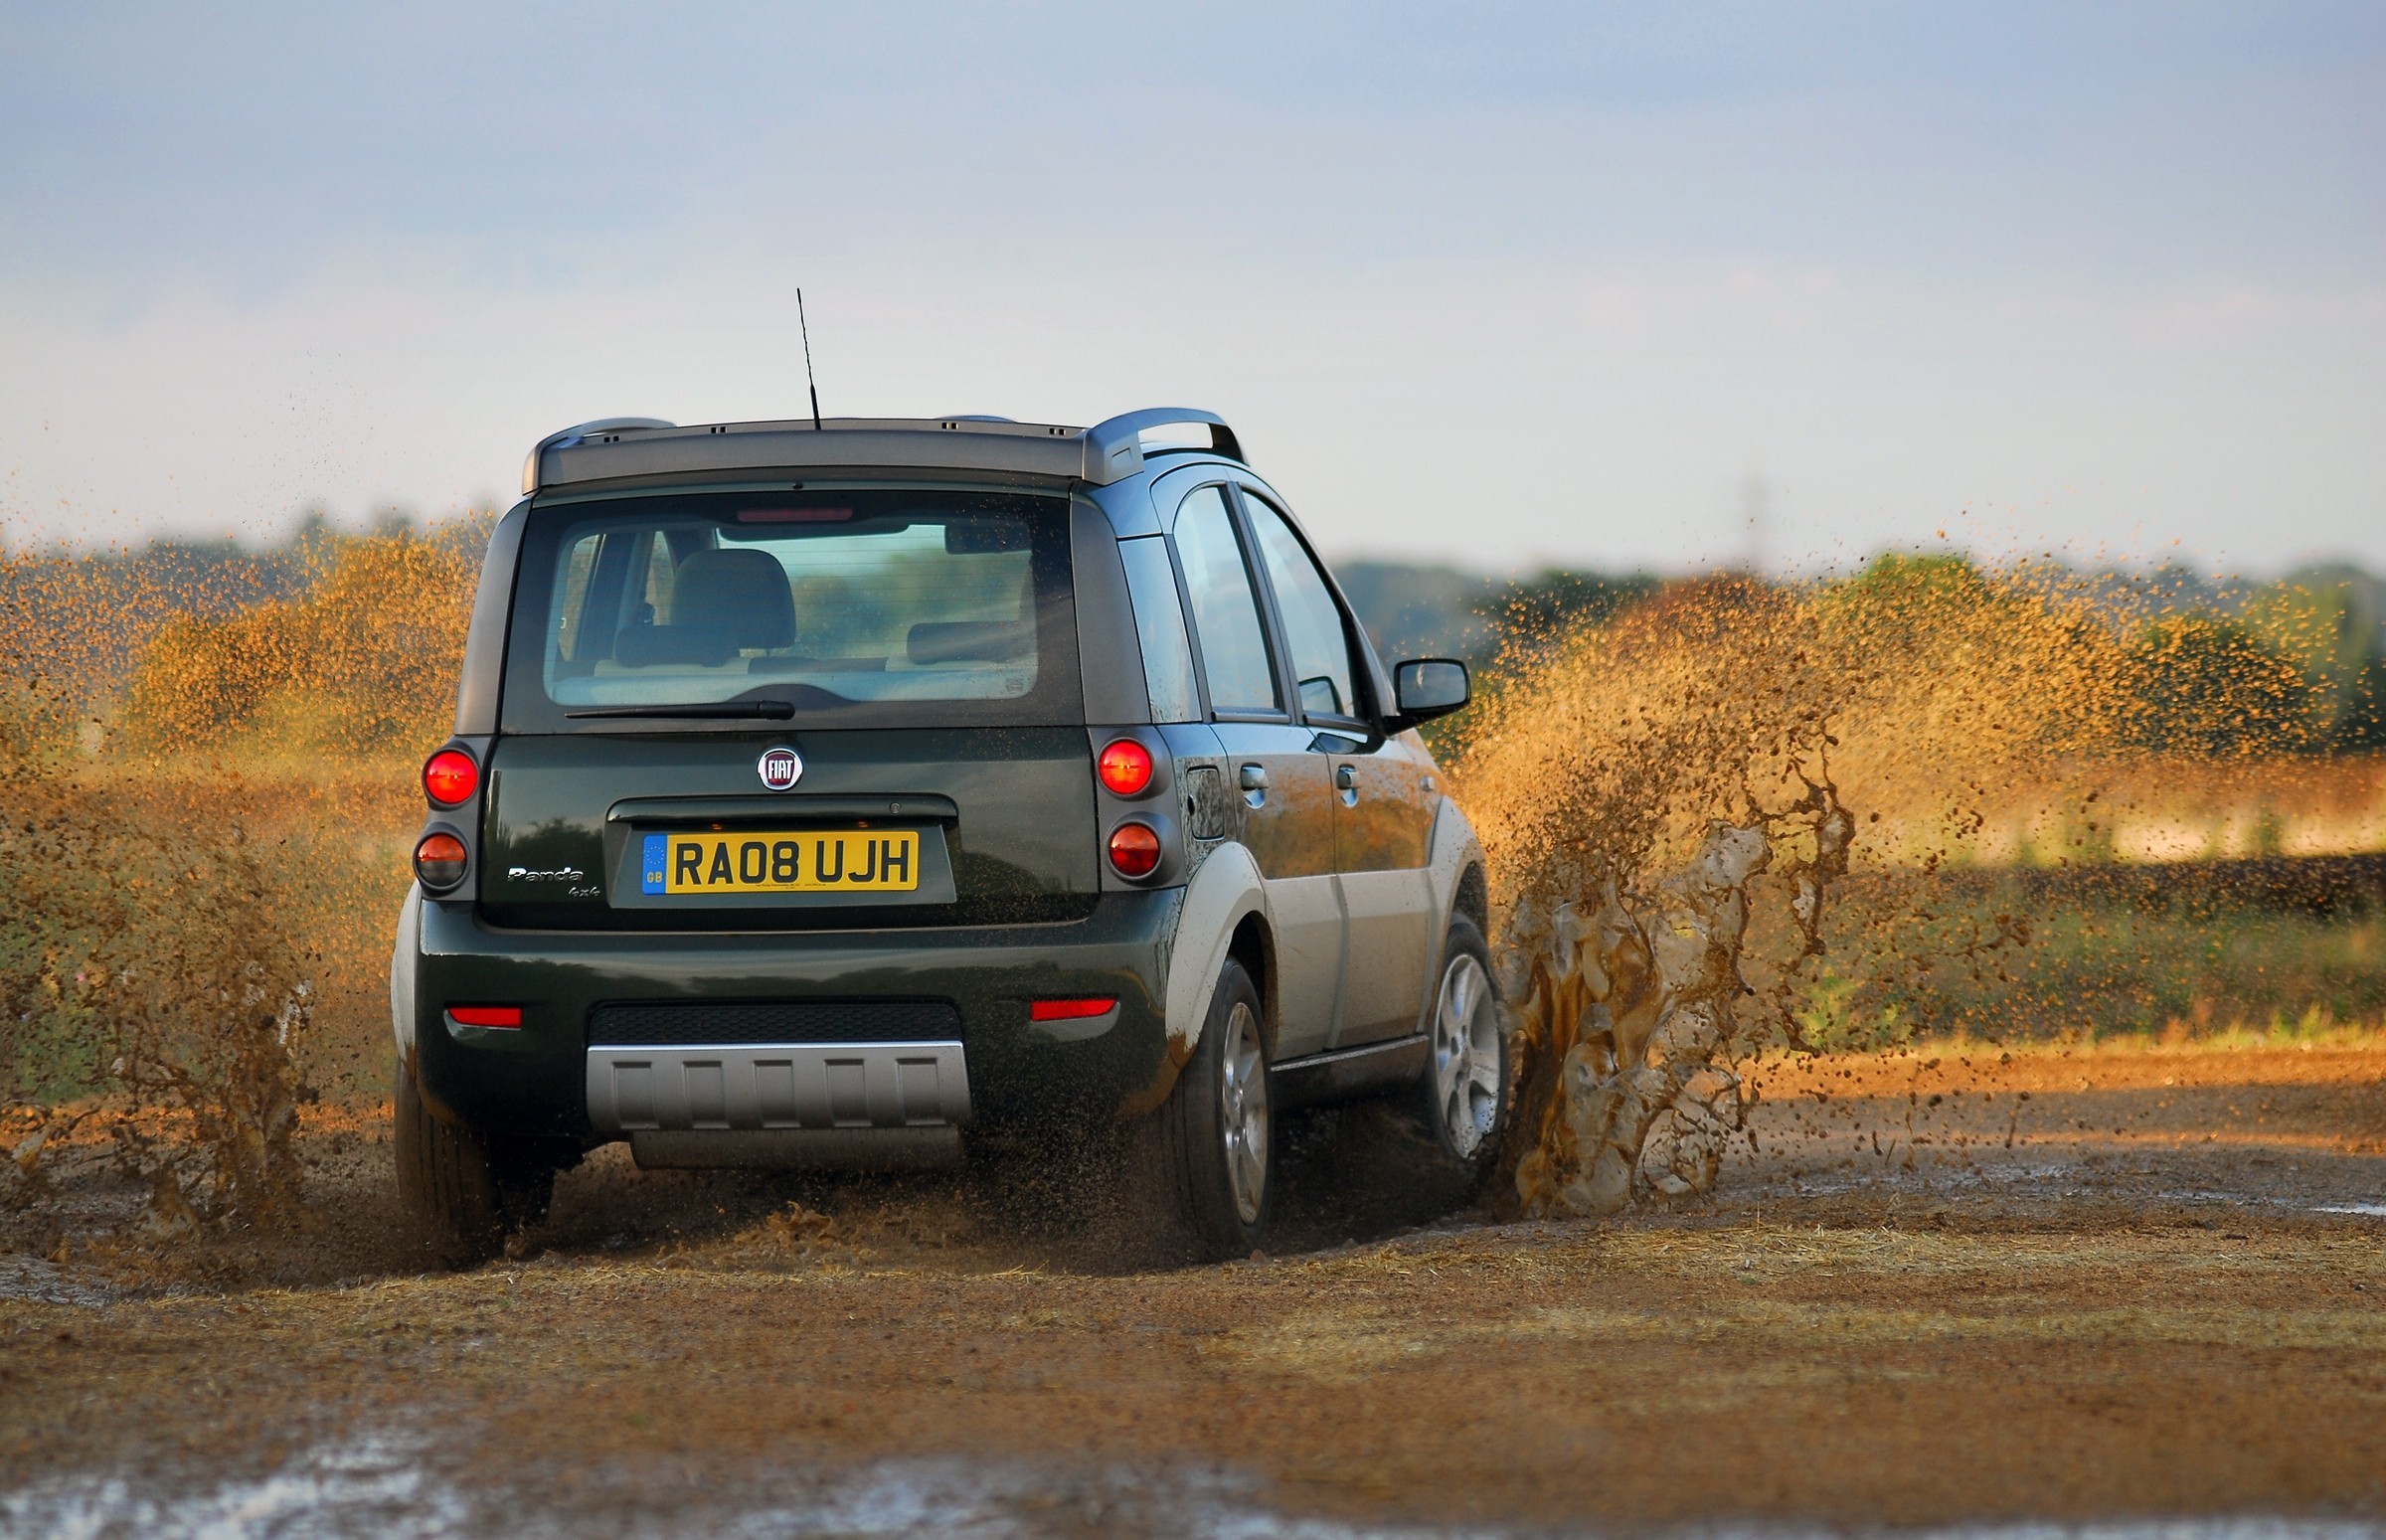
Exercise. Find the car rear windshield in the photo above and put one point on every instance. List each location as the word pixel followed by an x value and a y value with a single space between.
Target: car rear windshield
pixel 863 608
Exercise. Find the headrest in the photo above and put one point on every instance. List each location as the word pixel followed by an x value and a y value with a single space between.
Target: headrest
pixel 741 591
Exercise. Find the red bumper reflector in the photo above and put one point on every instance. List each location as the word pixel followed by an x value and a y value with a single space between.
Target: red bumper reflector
pixel 439 861
pixel 1070 1010
pixel 485 1015
pixel 1136 850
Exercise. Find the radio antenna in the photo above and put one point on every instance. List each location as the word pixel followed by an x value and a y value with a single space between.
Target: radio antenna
pixel 805 327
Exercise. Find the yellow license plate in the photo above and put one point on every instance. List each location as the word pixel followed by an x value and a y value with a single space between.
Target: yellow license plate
pixel 814 861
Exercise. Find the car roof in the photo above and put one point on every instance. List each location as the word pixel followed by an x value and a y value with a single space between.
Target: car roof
pixel 630 451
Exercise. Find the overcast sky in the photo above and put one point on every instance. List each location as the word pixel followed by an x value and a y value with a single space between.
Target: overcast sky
pixel 1489 283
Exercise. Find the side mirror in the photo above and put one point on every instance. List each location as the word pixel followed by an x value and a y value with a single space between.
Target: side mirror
pixel 1425 688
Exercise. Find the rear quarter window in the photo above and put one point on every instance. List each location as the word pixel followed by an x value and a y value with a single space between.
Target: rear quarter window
pixel 1160 628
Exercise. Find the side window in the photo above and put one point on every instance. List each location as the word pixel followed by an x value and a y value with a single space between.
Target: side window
pixel 1312 621
pixel 661 585
pixel 568 619
pixel 606 584
pixel 1233 649
pixel 1160 627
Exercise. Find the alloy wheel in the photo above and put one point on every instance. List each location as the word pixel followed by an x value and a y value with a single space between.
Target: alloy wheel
pixel 1243 1091
pixel 1466 1055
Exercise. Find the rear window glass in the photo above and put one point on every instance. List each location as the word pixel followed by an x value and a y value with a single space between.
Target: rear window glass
pixel 865 607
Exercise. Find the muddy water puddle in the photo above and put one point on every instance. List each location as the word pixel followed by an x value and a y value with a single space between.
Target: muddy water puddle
pixel 2080 1332
pixel 387 1488
pixel 2285 1131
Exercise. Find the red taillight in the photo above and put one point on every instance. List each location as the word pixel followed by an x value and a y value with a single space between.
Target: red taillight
pixel 450 777
pixel 485 1015
pixel 1124 767
pixel 439 861
pixel 1070 1010
pixel 1135 849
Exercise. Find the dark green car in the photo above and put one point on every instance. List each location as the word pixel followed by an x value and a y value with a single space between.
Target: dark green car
pixel 823 793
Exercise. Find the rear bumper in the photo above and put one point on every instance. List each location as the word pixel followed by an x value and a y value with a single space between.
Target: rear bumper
pixel 536 1079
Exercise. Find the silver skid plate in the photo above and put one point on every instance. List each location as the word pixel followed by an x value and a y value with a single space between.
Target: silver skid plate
pixel 779 1085
pixel 799 1149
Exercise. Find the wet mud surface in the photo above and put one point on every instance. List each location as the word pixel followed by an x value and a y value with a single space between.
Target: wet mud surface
pixel 2154 1290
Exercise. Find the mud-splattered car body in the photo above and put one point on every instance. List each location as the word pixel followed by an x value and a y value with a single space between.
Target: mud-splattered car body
pixel 1001 669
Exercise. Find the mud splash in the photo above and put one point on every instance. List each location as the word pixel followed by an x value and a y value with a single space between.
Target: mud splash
pixel 150 995
pixel 1666 802
pixel 181 858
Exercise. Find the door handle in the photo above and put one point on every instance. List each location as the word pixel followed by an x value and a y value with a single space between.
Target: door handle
pixel 1253 780
pixel 1346 782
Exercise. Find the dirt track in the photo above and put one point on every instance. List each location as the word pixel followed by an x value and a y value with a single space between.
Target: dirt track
pixel 2131 1300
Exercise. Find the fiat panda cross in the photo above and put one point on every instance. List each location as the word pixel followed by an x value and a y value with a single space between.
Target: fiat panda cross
pixel 822 792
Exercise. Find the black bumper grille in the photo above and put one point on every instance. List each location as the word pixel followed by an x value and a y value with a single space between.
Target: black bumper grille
pixel 674 1024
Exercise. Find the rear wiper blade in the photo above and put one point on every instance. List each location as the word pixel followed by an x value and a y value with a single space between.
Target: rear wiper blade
pixel 771 711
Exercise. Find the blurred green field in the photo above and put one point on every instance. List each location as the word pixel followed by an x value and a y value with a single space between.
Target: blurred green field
pixel 1915 958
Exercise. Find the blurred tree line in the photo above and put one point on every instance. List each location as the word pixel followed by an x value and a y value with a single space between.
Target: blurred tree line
pixel 2298 663
pixel 347 642
pixel 332 642
pixel 1414 612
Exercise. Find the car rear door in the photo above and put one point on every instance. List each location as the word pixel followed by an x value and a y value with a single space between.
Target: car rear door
pixel 1284 783
pixel 758 711
pixel 1381 805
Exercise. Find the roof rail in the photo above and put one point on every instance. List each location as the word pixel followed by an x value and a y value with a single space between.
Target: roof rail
pixel 612 449
pixel 1114 446
pixel 576 434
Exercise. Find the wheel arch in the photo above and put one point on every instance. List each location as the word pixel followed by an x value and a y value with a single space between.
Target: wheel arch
pixel 1254 946
pixel 1225 907
pixel 1458 878
pixel 1473 898
pixel 403 953
pixel 1456 869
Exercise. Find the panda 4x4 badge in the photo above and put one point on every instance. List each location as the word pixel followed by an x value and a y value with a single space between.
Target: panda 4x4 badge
pixel 779 768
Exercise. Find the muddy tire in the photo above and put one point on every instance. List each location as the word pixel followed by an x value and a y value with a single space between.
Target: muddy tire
pixel 1213 1144
pixel 1463 1100
pixel 461 1191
